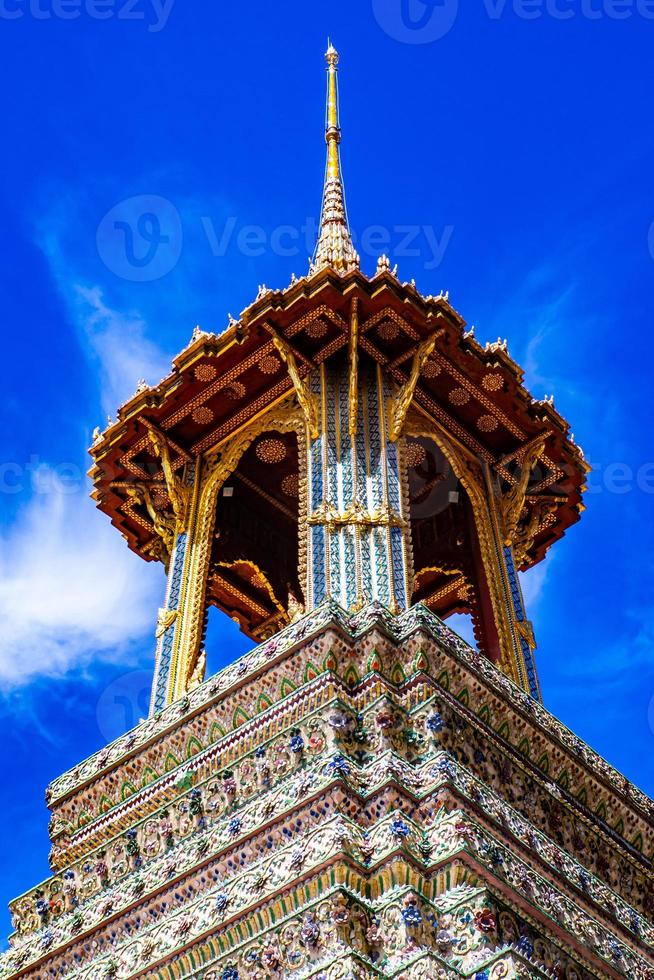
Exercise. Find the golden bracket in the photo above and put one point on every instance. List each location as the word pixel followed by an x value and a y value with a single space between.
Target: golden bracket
pixel 307 400
pixel 400 404
pixel 163 525
pixel 178 494
pixel 513 501
pixel 525 629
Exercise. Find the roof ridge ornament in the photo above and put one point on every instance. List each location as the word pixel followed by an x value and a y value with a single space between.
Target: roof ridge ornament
pixel 334 248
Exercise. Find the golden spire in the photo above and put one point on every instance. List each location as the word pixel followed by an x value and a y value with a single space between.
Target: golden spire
pixel 334 246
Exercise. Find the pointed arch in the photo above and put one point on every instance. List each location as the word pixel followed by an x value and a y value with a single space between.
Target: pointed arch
pixel 220 463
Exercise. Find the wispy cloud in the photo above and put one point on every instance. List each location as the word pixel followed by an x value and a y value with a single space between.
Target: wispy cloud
pixel 70 591
pixel 117 341
pixel 533 583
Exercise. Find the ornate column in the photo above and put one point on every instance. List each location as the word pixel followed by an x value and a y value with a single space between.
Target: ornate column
pixel 170 617
pixel 358 525
pixel 505 512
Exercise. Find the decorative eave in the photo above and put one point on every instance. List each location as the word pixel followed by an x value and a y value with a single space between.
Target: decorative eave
pixel 230 361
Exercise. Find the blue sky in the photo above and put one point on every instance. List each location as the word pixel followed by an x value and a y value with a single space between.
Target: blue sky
pixel 513 138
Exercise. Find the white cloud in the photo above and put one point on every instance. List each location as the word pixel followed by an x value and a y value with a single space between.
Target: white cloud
pixel 70 590
pixel 118 343
pixel 533 583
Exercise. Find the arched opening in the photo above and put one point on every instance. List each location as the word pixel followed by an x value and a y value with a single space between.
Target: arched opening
pixel 448 572
pixel 254 570
pixel 440 530
pixel 224 641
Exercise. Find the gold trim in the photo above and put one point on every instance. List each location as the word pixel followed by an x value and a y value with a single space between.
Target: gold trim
pixel 258 571
pixel 469 471
pixel 356 515
pixel 219 465
pixel 163 525
pixel 494 504
pixel 435 568
pixel 307 400
pixel 513 501
pixel 165 619
pixel 178 494
pixel 173 688
pixel 247 600
pixel 401 403
pixel 353 394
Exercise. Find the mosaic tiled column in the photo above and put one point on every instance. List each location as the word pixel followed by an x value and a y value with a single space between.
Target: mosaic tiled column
pixel 170 621
pixel 522 625
pixel 357 522
pixel 515 628
pixel 164 654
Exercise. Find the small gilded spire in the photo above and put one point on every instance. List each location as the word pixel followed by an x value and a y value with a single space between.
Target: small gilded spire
pixel 334 248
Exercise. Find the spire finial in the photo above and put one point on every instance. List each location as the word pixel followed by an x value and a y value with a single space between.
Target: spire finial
pixel 334 246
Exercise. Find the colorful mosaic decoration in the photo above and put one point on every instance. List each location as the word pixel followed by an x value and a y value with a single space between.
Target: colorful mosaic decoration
pixel 359 546
pixel 362 795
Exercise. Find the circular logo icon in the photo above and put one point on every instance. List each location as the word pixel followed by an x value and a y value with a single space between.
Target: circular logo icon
pixel 416 21
pixel 140 239
pixel 123 703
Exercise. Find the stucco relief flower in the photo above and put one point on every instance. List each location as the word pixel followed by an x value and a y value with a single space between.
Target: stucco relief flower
pixel 259 880
pixel 337 766
pixel 310 931
pixel 338 720
pixel 464 830
pixel 184 926
pixel 375 933
pixel 221 901
pixel 148 947
pixel 229 783
pixel 385 719
pixel 399 828
pixel 340 910
pixel 412 916
pixel 316 742
pixel 296 743
pixel 270 958
pixel 485 920
pixel 366 848
pixel 444 939
pixel 525 945
pixel 435 723
pixel 444 767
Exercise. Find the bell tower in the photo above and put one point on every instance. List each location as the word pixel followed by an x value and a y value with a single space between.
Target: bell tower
pixel 345 439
